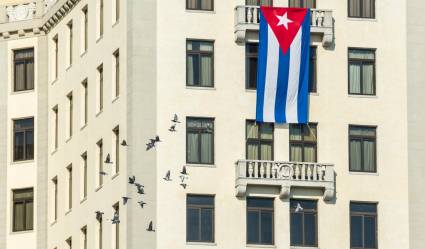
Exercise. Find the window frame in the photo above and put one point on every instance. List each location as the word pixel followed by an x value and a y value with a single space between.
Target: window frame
pixel 248 56
pixel 116 142
pixel 315 212
pixel 363 214
pixel 312 86
pixel 85 175
pixel 200 142
pixel 361 7
pixel 361 62
pixel 199 4
pixel 117 68
pixel 259 141
pixel 362 152
pixel 24 144
pixel 23 201
pixel 70 27
pixel 200 53
pixel 303 142
pixel 85 43
pixel 303 4
pixel 199 209
pixel 259 210
pixel 25 61
pixel 116 208
pixel 100 151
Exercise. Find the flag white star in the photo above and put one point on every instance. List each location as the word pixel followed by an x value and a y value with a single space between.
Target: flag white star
pixel 284 20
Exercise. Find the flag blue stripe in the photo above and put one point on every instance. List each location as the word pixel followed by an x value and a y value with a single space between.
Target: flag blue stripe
pixel 262 67
pixel 304 72
pixel 282 86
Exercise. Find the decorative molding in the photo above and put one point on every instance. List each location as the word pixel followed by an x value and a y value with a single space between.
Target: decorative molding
pixel 20 12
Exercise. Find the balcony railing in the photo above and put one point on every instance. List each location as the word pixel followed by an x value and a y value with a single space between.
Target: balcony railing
pixel 285 175
pixel 247 19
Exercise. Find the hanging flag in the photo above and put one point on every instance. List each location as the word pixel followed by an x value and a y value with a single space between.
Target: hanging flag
pixel 283 65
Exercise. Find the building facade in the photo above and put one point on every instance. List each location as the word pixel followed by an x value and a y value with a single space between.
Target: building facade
pixel 85 85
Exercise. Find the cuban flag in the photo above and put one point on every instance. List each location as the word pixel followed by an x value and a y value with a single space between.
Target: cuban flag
pixel 283 65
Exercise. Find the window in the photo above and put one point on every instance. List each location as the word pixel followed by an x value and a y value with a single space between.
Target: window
pixel 85 29
pixel 56 57
pixel 100 162
pixel 200 140
pixel 23 70
pixel 117 10
pixel 259 140
pixel 200 63
pixel 116 209
pixel 361 8
pixel 100 231
pixel 56 127
pixel 85 99
pixel 260 221
pixel 302 4
pixel 200 5
pixel 259 2
pixel 116 132
pixel 70 43
pixel 363 225
pixel 69 243
pixel 84 237
pixel 362 148
pixel 313 70
pixel 303 223
pixel 101 18
pixel 117 73
pixel 23 139
pixel 303 143
pixel 71 114
pixel 100 87
pixel 361 71
pixel 55 198
pixel 23 209
pixel 200 218
pixel 251 61
pixel 69 168
pixel 84 173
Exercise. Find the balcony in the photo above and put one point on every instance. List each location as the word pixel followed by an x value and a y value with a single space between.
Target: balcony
pixel 285 175
pixel 247 20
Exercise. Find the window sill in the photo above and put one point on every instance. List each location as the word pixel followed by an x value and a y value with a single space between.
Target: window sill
pixel 313 94
pixel 115 99
pixel 22 162
pixel 303 247
pixel 22 92
pixel 99 39
pixel 116 23
pixel 82 127
pixel 83 53
pixel 201 88
pixel 54 152
pixel 68 68
pixel 249 90
pixel 362 96
pixel 83 200
pixel 362 19
pixel 54 222
pixel 21 232
pixel 54 81
pixel 261 246
pixel 68 139
pixel 98 188
pixel 201 243
pixel 364 173
pixel 67 212
pixel 196 165
pixel 201 11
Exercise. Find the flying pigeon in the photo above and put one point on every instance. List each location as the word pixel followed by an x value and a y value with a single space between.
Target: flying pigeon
pixel 98 215
pixel 150 227
pixel 103 173
pixel 115 219
pixel 132 180
pixel 108 159
pixel 167 176
pixel 124 143
pixel 139 185
pixel 140 190
pixel 175 119
pixel 149 146
pixel 184 172
pixel 298 208
pixel 142 203
pixel 125 200
pixel 172 128
pixel 184 185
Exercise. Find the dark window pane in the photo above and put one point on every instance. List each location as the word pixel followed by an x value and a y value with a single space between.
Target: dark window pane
pixel 200 63
pixel 313 68
pixel 356 231
pixel 24 69
pixel 192 224
pixel 260 202
pixel 251 53
pixel 200 140
pixel 296 229
pixel 266 227
pixel 363 207
pixel 19 214
pixel 253 227
pixel 207 219
pixel 19 146
pixel 310 229
pixel 369 232
pixel 200 200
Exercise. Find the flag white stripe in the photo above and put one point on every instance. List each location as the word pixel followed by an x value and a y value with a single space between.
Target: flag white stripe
pixel 294 79
pixel 270 87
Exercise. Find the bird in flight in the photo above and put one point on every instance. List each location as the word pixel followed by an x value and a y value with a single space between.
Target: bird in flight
pixel 125 199
pixel 175 119
pixel 167 176
pixel 142 203
pixel 150 227
pixel 132 179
